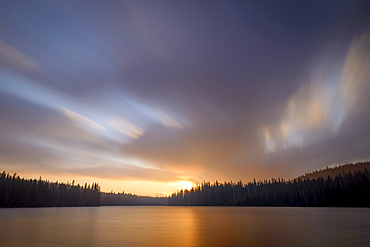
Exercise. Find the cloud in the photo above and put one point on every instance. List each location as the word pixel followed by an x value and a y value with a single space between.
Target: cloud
pixel 355 83
pixel 16 57
pixel 82 121
pixel 122 78
pixel 167 120
pixel 323 104
pixel 39 140
pixel 126 127
pixel 129 173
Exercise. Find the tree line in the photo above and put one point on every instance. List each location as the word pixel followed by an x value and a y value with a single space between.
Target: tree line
pixel 346 189
pixel 123 199
pixel 350 189
pixel 334 170
pixel 20 192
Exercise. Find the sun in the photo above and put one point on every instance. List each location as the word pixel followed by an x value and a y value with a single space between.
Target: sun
pixel 182 185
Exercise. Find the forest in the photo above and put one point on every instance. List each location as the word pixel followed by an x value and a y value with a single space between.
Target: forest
pixel 347 186
pixel 20 192
pixel 347 189
pixel 123 199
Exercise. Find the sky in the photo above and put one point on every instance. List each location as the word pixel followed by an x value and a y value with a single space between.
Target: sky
pixel 148 97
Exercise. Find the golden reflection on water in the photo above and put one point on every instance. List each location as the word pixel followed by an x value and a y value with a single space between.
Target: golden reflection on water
pixel 104 226
pixel 146 226
pixel 184 226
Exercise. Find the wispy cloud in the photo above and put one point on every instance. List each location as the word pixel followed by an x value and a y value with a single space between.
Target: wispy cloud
pixel 16 57
pixel 82 121
pixel 126 127
pixel 355 84
pixel 167 120
pixel 323 105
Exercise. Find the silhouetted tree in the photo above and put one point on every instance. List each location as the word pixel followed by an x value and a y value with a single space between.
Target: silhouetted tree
pixel 20 192
pixel 121 199
pixel 344 190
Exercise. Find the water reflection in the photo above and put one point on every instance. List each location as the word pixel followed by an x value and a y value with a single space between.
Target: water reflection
pixel 185 226
pixel 145 226
pixel 235 226
pixel 47 226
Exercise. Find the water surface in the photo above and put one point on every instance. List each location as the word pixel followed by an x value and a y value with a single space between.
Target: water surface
pixel 184 226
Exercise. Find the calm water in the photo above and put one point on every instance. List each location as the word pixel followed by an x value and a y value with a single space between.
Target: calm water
pixel 184 226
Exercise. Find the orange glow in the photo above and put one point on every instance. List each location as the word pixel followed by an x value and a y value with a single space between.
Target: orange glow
pixel 138 187
pixel 182 185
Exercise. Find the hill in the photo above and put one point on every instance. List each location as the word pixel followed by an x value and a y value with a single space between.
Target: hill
pixel 334 171
pixel 343 186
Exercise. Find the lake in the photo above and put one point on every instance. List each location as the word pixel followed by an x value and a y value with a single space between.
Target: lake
pixel 184 226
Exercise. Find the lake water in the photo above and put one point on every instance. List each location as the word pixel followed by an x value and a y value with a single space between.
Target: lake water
pixel 184 226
